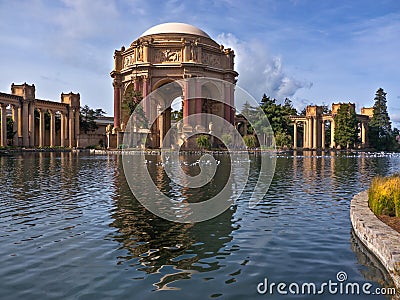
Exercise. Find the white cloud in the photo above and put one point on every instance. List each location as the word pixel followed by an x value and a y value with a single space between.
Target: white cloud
pixel 259 71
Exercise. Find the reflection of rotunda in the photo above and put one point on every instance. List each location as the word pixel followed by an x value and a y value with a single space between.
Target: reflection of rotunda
pixel 166 53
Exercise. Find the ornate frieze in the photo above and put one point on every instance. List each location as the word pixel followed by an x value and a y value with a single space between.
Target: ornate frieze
pixel 211 59
pixel 129 60
pixel 167 55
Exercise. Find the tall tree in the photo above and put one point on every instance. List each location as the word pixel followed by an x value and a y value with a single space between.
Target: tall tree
pixel 380 129
pixel 346 131
pixel 87 118
pixel 131 102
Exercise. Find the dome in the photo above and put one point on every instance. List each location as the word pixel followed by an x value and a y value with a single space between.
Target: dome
pixel 175 28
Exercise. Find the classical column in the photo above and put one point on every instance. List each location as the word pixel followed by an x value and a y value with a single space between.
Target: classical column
pixel 52 128
pixel 71 129
pixel 323 135
pixel 198 104
pixel 14 110
pixel 117 104
pixel 185 102
pixel 41 127
pixel 62 115
pixel 145 89
pixel 19 133
pixel 31 124
pixel 295 135
pixel 227 93
pixel 3 139
pixel 315 134
pixel 333 144
pixel 25 124
pixel 305 134
pixel 363 134
pixel 310 135
pixel 77 126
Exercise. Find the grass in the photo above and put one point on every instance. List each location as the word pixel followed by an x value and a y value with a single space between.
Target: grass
pixel 384 195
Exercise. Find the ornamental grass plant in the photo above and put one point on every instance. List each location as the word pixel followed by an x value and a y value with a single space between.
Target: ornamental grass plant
pixel 384 195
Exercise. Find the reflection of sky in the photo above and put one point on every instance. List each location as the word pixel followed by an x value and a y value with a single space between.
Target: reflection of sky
pixel 310 51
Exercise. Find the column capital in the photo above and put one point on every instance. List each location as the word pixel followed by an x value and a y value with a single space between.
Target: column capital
pixel 117 83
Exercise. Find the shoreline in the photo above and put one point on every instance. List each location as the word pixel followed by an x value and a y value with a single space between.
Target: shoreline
pixel 381 240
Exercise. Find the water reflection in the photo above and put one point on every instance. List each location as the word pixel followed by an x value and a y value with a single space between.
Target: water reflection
pixel 70 227
pixel 154 245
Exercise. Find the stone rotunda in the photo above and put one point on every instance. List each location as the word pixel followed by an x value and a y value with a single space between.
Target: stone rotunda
pixel 164 54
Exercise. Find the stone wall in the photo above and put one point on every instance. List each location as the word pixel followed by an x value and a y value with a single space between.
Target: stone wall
pixel 379 238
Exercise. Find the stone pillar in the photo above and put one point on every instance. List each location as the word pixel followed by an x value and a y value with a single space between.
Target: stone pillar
pixel 227 93
pixel 323 135
pixel 295 135
pixel 198 102
pixel 315 134
pixel 117 104
pixel 77 126
pixel 232 102
pixel 310 135
pixel 160 125
pixel 363 135
pixel 305 134
pixel 3 133
pixel 41 127
pixel 145 89
pixel 333 144
pixel 19 133
pixel 71 129
pixel 63 131
pixel 52 128
pixel 15 116
pixel 31 124
pixel 25 124
pixel 185 102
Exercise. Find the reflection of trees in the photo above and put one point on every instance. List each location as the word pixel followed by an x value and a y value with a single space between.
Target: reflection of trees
pixel 155 245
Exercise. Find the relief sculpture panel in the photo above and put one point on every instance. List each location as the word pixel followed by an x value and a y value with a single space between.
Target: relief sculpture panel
pixel 211 59
pixel 129 60
pixel 167 55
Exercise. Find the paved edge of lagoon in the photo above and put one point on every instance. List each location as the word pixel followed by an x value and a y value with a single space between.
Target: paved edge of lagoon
pixel 379 238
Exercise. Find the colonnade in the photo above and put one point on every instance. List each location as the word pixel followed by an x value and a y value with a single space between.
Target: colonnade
pixel 314 133
pixel 23 106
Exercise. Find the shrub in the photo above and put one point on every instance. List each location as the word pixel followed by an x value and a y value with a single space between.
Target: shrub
pixel 203 141
pixel 250 141
pixel 384 195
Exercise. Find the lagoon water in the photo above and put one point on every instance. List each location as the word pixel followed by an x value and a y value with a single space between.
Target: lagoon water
pixel 70 228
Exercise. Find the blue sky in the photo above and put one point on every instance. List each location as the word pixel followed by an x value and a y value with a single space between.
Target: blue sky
pixel 310 51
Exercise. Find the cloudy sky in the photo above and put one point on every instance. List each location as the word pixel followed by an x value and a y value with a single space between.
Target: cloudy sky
pixel 313 52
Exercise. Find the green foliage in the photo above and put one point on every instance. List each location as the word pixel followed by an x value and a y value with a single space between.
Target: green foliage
pixel 346 131
pixel 88 117
pixel 203 141
pixel 283 139
pixel 226 139
pixel 177 115
pixel 380 133
pixel 10 129
pixel 131 105
pixel 384 195
pixel 250 141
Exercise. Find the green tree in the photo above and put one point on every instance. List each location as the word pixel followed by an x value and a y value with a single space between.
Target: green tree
pixel 87 118
pixel 131 105
pixel 283 139
pixel 346 131
pixel 380 133
pixel 10 129
pixel 250 141
pixel 203 141
pixel 226 139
